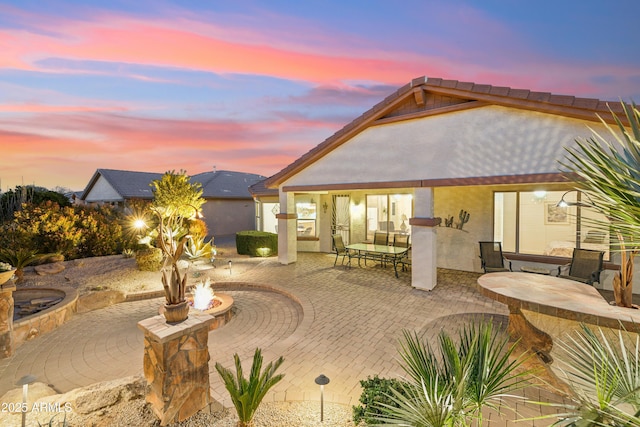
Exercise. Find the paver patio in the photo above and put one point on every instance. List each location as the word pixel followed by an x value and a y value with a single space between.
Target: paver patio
pixel 341 322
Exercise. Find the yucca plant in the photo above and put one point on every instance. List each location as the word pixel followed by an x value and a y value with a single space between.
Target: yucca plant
pixel 246 395
pixel 604 374
pixel 609 173
pixel 450 387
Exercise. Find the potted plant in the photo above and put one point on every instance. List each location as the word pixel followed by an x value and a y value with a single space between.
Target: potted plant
pixel 172 237
pixel 176 202
pixel 6 272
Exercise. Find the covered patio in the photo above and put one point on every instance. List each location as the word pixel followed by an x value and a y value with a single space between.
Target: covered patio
pixel 448 163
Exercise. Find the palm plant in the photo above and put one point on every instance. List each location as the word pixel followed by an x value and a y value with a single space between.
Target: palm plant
pixel 246 395
pixel 21 258
pixel 450 388
pixel 605 378
pixel 610 174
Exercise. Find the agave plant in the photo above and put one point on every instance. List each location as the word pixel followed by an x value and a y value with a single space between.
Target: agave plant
pixel 197 247
pixel 246 395
pixel 604 373
pixel 610 175
pixel 450 387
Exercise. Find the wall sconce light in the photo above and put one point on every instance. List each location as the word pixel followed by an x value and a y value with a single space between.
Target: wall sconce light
pixel 325 206
pixel 563 203
pixel 322 380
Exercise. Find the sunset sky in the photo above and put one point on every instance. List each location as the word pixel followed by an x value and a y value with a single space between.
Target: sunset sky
pixel 251 85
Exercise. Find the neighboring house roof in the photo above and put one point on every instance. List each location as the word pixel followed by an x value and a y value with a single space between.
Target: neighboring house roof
pixel 128 184
pixel 424 97
pixel 260 190
pixel 136 185
pixel 226 184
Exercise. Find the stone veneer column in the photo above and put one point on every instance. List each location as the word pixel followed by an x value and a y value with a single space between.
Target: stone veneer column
pixel 176 366
pixel 6 319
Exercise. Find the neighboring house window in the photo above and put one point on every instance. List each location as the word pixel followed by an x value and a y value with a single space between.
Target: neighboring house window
pixel 532 223
pixel 389 213
pixel 306 212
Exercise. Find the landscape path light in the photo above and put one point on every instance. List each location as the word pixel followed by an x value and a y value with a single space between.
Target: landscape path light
pixel 24 382
pixel 229 267
pixel 322 380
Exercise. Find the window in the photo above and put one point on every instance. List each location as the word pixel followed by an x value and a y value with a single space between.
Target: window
pixel 531 222
pixel 306 212
pixel 389 213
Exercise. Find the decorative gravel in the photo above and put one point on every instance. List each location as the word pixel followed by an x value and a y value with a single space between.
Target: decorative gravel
pixel 272 414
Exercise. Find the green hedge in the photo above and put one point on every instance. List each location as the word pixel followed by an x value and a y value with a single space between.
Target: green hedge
pixel 376 392
pixel 256 243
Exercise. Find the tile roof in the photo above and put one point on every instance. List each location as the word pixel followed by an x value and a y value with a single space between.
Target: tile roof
pixel 215 184
pixel 476 94
pixel 260 190
pixel 226 184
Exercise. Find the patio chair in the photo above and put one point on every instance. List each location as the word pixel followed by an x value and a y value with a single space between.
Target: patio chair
pixel 378 239
pixel 492 259
pixel 402 241
pixel 341 250
pixel 585 266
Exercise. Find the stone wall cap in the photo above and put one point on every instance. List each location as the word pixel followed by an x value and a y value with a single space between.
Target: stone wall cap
pixel 158 328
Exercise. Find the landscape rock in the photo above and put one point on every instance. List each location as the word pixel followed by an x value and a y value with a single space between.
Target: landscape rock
pixel 46 269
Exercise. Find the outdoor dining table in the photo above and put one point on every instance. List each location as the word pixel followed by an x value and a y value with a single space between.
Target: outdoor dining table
pixel 391 253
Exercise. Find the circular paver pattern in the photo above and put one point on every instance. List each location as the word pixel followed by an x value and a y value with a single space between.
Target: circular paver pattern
pixel 106 344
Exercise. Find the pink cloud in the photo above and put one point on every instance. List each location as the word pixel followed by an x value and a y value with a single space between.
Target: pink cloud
pixel 42 108
pixel 64 150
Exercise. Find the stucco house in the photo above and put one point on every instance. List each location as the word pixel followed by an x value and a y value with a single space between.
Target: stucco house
pixel 451 163
pixel 229 206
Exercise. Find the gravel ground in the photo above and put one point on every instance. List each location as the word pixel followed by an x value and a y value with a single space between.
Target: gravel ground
pixel 121 274
pixel 273 414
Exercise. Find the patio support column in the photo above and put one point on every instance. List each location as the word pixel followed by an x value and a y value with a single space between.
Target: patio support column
pixel 287 229
pixel 423 241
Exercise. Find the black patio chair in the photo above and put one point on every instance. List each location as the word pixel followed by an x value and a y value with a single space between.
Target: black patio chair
pixel 341 250
pixel 492 259
pixel 379 238
pixel 402 241
pixel 585 266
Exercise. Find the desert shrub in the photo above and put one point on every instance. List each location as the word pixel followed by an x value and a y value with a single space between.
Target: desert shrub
pixel 102 232
pixel 256 243
pixel 13 200
pixel 49 228
pixel 375 391
pixel 72 231
pixel 198 228
pixel 149 259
